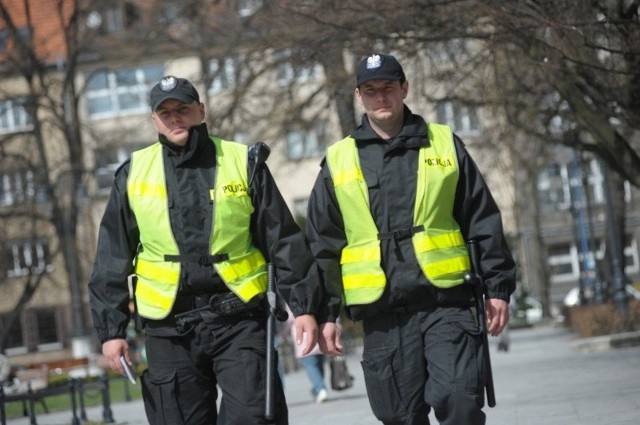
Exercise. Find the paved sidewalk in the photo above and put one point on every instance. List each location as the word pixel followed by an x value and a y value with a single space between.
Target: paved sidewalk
pixel 548 377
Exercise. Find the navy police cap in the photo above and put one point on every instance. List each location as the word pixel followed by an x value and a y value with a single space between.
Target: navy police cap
pixel 379 67
pixel 170 87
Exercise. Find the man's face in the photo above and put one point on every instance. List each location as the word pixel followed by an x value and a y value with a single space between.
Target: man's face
pixel 174 118
pixel 383 100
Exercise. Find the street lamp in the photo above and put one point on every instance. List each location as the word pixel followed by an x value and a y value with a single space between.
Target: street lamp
pixel 578 206
pixel 620 297
pixel 600 283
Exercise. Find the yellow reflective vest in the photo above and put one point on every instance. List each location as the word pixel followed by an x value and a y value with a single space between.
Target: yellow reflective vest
pixel 438 243
pixel 244 271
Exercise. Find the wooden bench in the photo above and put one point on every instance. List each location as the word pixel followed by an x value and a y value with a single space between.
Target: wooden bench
pixel 32 380
pixel 36 375
pixel 28 383
pixel 58 367
pixel 35 378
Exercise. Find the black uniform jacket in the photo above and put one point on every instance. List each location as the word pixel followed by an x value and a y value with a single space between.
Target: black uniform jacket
pixel 390 170
pixel 190 173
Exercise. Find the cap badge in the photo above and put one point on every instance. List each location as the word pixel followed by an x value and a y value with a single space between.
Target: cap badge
pixel 168 83
pixel 373 61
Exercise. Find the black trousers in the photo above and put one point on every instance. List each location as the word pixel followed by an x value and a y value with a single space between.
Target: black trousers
pixel 181 383
pixel 413 362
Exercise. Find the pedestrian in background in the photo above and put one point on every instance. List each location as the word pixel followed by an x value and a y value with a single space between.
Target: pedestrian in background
pixel 196 219
pixel 388 220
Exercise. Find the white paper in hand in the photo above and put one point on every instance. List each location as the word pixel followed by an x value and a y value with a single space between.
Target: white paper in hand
pixel 127 370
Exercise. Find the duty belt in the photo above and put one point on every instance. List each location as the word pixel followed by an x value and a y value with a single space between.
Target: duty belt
pixel 224 304
pixel 203 260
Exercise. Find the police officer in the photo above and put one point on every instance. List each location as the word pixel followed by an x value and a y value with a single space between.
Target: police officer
pixel 195 219
pixel 388 218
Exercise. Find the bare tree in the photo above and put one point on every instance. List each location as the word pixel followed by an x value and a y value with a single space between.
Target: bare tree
pixel 569 74
pixel 48 158
pixel 582 68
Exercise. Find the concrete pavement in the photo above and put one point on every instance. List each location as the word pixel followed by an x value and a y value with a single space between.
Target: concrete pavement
pixel 548 377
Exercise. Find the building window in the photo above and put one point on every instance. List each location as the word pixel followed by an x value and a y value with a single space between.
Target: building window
pixel 23 32
pixel 20 186
pixel 20 258
pixel 224 75
pixel 248 7
pixel 122 92
pixel 14 117
pixel 171 11
pixel 117 19
pixel 553 187
pixel 25 35
pixel 107 162
pixel 631 259
pixel 306 143
pixel 563 263
pixel 15 343
pixel 46 324
pixel 555 180
pixel 565 260
pixel 288 73
pixel 114 19
pixel 463 119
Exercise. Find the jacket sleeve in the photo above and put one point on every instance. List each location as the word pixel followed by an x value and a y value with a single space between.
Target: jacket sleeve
pixel 118 239
pixel 479 217
pixel 282 242
pixel 325 232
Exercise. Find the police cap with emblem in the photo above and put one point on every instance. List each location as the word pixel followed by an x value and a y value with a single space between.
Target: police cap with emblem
pixel 379 67
pixel 171 87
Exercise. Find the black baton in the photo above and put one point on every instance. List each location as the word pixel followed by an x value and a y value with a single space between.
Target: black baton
pixel 271 355
pixel 475 280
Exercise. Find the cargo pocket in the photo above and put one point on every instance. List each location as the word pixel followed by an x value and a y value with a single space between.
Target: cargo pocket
pixel 469 369
pixel 384 397
pixel 160 398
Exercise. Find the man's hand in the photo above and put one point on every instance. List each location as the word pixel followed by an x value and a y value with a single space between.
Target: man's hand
pixel 306 324
pixel 497 315
pixel 112 350
pixel 330 340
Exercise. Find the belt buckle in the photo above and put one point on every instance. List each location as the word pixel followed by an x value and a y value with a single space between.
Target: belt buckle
pixel 200 301
pixel 403 233
pixel 227 304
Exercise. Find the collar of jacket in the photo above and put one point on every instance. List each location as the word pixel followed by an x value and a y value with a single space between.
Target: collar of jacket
pixel 412 135
pixel 198 136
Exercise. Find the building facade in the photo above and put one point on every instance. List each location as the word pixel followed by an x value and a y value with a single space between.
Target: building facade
pixel 50 214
